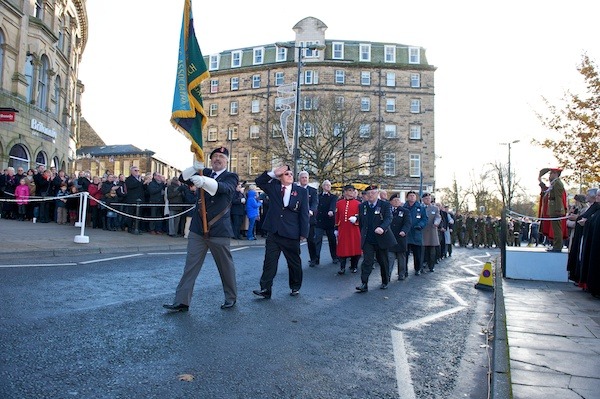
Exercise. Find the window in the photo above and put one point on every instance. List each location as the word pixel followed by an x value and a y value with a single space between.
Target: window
pixel 254 163
pixel 213 109
pixel 281 54
pixel 254 131
pixel 232 133
pixel 279 103
pixel 311 77
pixel 29 77
pixel 308 103
pixel 233 108
pixel 415 132
pixel 389 164
pixel 415 106
pixel 212 134
pixel 390 105
pixel 390 53
pixel 390 79
pixel 214 85
pixel 236 59
pixel 390 132
pixel 364 132
pixel 18 157
pixel 308 52
pixel 255 108
pixel 414 165
pixel 340 76
pixel 279 78
pixel 42 97
pixel 414 55
pixel 363 161
pixel 365 104
pixel 41 159
pixel 213 62
pixel 235 83
pixel 339 102
pixel 365 52
pixel 258 56
pixel 308 130
pixel 233 162
pixel 415 80
pixel 255 81
pixel 365 78
pixel 57 84
pixel 39 9
pixel 338 51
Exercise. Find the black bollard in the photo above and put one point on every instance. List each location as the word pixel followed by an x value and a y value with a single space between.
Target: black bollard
pixel 136 229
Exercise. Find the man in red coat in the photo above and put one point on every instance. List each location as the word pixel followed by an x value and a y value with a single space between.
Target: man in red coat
pixel 348 231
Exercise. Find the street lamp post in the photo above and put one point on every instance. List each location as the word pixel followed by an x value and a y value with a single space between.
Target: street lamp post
pixel 296 137
pixel 509 174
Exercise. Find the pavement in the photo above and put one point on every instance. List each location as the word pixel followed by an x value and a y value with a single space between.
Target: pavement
pixel 546 334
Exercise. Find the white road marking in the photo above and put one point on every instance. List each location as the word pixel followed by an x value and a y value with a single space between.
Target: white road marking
pixel 109 259
pixel 40 265
pixel 403 378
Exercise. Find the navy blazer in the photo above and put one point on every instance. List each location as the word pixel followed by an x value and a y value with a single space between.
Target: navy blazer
pixel 290 221
pixel 215 204
pixel 313 203
pixel 382 218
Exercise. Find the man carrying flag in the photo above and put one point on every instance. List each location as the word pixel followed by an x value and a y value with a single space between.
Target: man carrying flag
pixel 211 222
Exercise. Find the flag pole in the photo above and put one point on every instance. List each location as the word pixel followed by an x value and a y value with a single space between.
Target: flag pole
pixel 188 114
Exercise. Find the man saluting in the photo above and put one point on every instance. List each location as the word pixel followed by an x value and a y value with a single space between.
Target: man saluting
pixel 286 223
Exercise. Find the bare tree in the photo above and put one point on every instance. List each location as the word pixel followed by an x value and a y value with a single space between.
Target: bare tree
pixel 455 197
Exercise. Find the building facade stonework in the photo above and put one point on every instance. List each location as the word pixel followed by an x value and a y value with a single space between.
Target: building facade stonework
pixel 41 45
pixel 390 85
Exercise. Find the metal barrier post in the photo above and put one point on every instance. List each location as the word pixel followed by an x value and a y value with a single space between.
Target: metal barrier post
pixel 82 238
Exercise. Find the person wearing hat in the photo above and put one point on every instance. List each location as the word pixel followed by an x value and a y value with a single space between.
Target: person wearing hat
pixel 418 218
pixel 347 230
pixel 554 206
pixel 374 220
pixel 313 205
pixel 400 226
pixel 326 221
pixel 287 223
pixel 219 187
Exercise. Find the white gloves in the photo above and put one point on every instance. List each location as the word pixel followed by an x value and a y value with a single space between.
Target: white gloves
pixel 335 233
pixel 198 165
pixel 197 180
pixel 352 219
pixel 189 172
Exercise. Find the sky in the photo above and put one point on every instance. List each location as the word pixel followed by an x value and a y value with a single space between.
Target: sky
pixel 495 61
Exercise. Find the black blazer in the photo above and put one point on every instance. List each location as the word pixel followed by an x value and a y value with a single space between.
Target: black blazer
pixel 401 221
pixel 290 221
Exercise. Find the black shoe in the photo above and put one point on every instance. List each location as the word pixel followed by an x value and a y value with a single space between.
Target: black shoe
pixel 362 288
pixel 553 250
pixel 342 271
pixel 335 261
pixel 383 287
pixel 317 261
pixel 400 278
pixel 418 273
pixel 265 293
pixel 228 304
pixel 354 270
pixel 432 270
pixel 311 263
pixel 176 307
pixel 294 292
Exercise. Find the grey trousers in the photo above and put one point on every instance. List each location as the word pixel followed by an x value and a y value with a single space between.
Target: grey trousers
pixel 197 248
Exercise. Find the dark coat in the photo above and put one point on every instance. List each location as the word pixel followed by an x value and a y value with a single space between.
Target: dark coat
pixel 326 203
pixel 369 219
pixel 237 207
pixel 134 190
pixel 218 204
pixel 313 203
pixel 401 221
pixel 291 221
pixel 155 192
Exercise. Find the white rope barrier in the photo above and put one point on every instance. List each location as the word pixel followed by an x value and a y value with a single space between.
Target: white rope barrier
pixel 535 217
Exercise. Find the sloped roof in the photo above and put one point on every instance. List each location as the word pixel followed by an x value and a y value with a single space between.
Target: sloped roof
pixel 107 150
pixel 88 136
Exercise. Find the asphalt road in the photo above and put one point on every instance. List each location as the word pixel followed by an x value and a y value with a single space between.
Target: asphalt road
pixel 92 326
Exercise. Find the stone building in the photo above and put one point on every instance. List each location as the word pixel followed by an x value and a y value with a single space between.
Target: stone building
pixel 386 88
pixel 41 45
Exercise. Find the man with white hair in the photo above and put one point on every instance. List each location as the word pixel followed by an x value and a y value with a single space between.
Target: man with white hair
pixel 326 221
